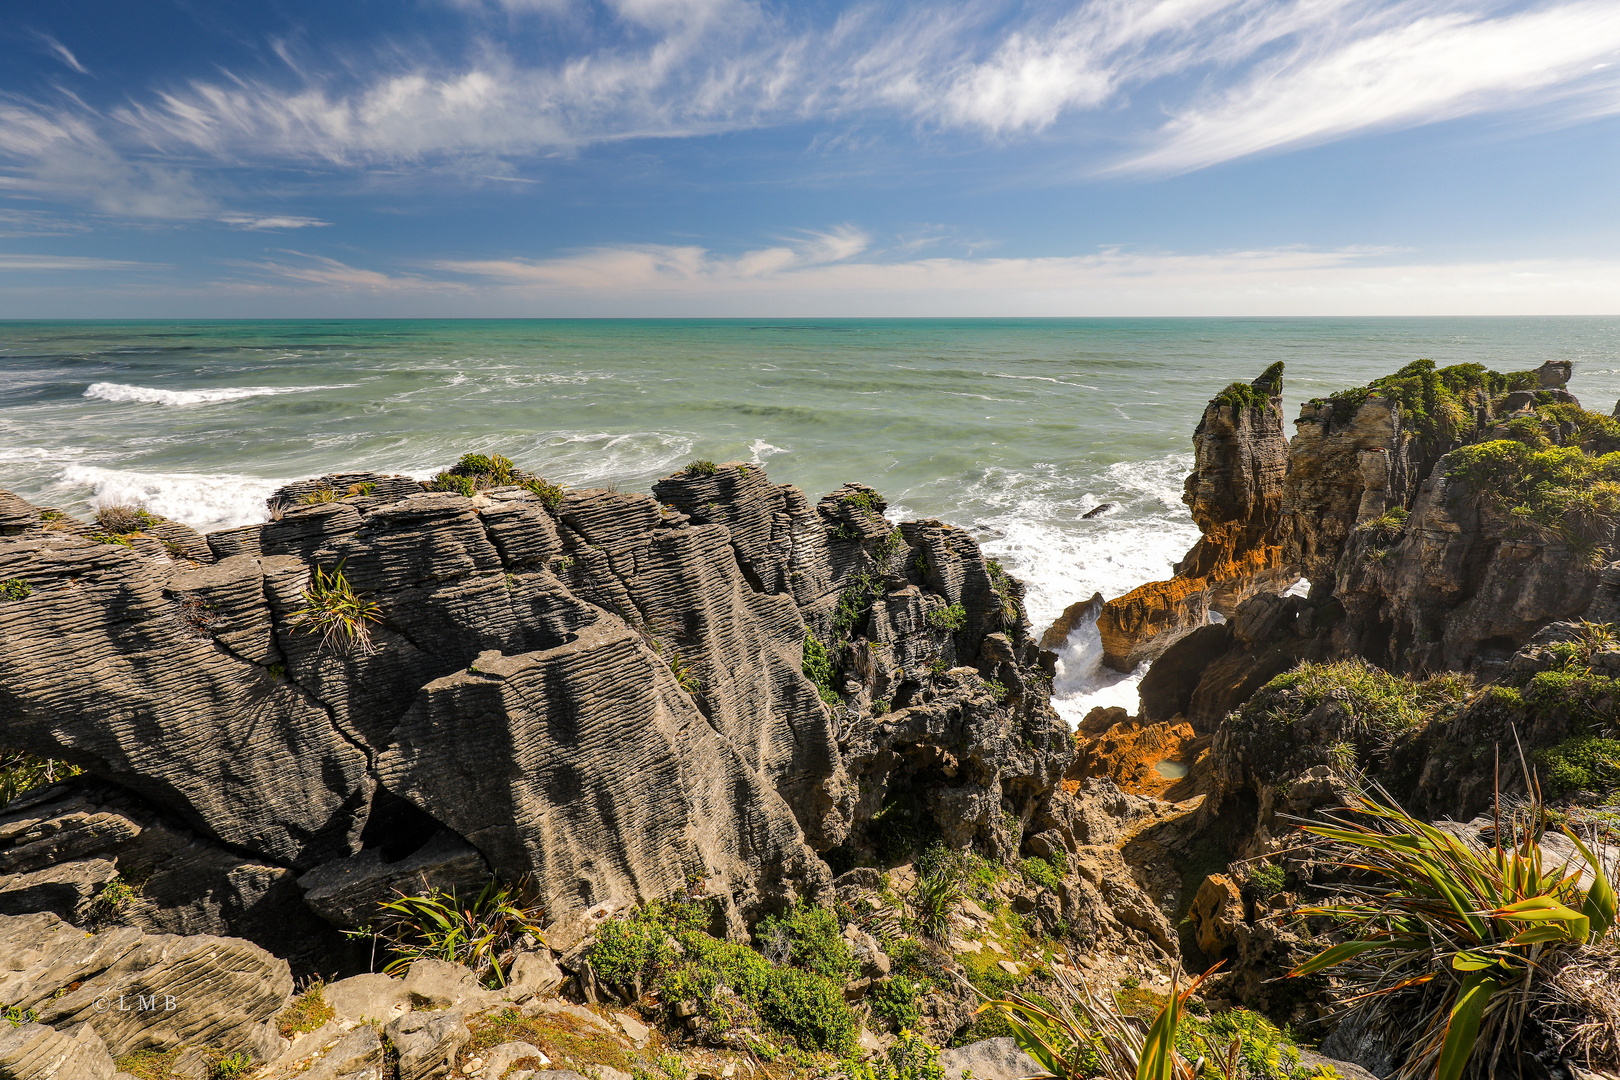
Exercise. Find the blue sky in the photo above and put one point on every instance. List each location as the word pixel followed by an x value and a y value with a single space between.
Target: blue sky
pixel 732 157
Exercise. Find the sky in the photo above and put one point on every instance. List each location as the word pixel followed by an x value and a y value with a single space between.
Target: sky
pixel 361 158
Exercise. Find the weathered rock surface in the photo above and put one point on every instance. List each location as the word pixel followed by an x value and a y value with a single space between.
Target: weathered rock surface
pixel 144 991
pixel 61 846
pixel 606 692
pixel 1235 493
pixel 40 1052
pixel 989 1059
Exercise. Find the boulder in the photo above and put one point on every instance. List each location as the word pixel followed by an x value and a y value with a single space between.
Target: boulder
pixel 1217 916
pixel 427 1042
pixel 358 1055
pixel 144 991
pixel 40 1052
pixel 368 997
pixel 989 1059
pixel 346 892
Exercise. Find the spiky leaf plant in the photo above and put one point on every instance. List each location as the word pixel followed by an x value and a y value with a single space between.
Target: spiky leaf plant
pixel 483 933
pixel 332 610
pixel 1449 938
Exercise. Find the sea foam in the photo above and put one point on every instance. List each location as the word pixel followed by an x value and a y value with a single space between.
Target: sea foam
pixel 106 391
pixel 205 503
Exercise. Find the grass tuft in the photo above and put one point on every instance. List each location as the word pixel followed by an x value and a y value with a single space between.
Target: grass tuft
pixel 332 610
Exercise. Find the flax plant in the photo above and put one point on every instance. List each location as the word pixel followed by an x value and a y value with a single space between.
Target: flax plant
pixel 332 610
pixel 1450 939
pixel 1083 1035
pixel 483 934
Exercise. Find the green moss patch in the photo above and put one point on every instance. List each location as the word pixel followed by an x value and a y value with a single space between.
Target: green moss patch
pixel 569 1041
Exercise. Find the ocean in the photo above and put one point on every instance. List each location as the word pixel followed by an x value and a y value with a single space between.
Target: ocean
pixel 1014 428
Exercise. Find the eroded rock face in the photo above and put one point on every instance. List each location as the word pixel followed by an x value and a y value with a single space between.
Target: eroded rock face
pixel 605 691
pixel 144 991
pixel 1235 493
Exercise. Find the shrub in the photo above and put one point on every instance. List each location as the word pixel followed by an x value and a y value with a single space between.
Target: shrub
pixel 809 1009
pixel 318 496
pixel 492 469
pixel 231 1066
pixel 818 668
pixel 307 1012
pixel 701 468
pixel 482 934
pixel 113 899
pixel 853 604
pixel 1267 879
pixel 454 484
pixel 952 617
pixel 932 900
pixel 1379 704
pixel 21 773
pixel 1248 395
pixel 1584 763
pixel 123 520
pixel 911 1057
pixel 16 589
pixel 332 610
pixel 367 488
pixel 1447 939
pixel 549 494
pixel 895 999
pixel 663 946
pixel 1040 872
pixel 1559 493
pixel 998 689
pixel 809 938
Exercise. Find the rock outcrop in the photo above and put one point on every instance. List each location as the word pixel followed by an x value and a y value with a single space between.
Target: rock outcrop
pixel 612 695
pixel 1235 495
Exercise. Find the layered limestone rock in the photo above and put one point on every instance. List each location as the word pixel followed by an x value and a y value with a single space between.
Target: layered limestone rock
pixel 1235 495
pixel 603 691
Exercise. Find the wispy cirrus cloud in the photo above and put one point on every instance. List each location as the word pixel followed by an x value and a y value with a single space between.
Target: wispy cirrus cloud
pixel 68 262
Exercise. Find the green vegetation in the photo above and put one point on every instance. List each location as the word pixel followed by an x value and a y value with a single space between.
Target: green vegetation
pixel 896 1000
pixel 818 668
pixel 149 1064
pixel 1009 612
pixel 664 947
pixel 123 520
pixel 332 610
pixel 808 937
pixel 932 898
pixel 1433 401
pixel 686 676
pixel 120 539
pixel 1582 763
pixel 853 604
pixel 15 589
pixel 454 484
pixel 998 689
pixel 952 618
pixel 1082 1036
pixel 367 488
pixel 1386 528
pixel 910 1058
pixel 307 1012
pixel 549 494
pixel 493 468
pixel 318 496
pixel 482 934
pixel 231 1066
pixel 1380 705
pixel 1560 493
pixel 865 500
pixel 1266 879
pixel 1448 944
pixel 700 468
pixel 1242 395
pixel 21 773
pixel 570 1043
pixel 17 1016
pixel 1046 873
pixel 113 900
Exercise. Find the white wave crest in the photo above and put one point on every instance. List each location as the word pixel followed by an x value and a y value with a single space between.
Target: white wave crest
pixel 205 503
pixel 149 395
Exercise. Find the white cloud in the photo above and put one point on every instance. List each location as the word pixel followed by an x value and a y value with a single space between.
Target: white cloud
pixel 64 54
pixel 283 221
pixel 66 262
pixel 1433 68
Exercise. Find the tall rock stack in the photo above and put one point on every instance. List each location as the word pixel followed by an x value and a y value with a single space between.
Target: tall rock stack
pixel 1235 492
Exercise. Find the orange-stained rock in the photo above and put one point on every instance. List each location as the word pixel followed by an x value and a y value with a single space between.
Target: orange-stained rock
pixel 1126 750
pixel 1217 916
pixel 1235 493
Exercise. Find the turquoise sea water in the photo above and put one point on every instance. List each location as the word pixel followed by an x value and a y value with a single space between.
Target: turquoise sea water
pixel 1015 428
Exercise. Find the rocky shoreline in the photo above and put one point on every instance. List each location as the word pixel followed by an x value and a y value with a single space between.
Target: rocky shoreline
pixel 779 781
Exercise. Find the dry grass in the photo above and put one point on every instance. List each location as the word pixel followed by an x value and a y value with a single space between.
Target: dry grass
pixel 1582 1006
